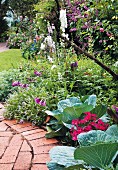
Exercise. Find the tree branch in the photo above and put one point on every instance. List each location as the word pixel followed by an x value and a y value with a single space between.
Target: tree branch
pixel 115 76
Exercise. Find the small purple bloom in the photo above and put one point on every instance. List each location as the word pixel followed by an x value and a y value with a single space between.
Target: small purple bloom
pixel 85 7
pixel 40 102
pixel 73 29
pixel 37 73
pixel 37 100
pixel 43 103
pixel 24 85
pixel 16 83
pixel 115 108
pixel 74 65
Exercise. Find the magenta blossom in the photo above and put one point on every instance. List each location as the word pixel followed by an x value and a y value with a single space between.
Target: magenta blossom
pixel 24 85
pixel 101 29
pixel 40 102
pixel 108 34
pixel 16 83
pixel 37 73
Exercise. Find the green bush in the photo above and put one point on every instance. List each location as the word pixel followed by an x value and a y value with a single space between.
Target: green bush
pixel 59 80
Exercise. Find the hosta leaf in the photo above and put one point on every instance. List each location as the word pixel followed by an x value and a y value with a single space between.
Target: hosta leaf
pixel 99 110
pixel 99 155
pixel 64 155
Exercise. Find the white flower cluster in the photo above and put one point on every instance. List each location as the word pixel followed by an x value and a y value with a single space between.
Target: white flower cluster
pixel 63 20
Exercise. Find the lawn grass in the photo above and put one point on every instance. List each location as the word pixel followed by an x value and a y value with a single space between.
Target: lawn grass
pixel 10 59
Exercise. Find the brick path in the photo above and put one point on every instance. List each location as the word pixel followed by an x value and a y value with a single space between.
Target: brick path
pixel 23 146
pixel 3 47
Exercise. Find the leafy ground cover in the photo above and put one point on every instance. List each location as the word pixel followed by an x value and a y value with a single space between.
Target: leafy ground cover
pixel 10 59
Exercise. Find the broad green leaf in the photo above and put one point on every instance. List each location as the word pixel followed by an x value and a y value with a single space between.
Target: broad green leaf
pixel 72 101
pixel 99 110
pixel 69 126
pixel 64 155
pixel 59 132
pixel 55 113
pixel 95 136
pixel 91 100
pixel 113 131
pixel 75 112
pixel 54 166
pixel 99 155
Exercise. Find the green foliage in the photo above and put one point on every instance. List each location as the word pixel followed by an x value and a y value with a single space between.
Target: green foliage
pixel 6 79
pixel 98 155
pixel 96 27
pixel 72 108
pixel 96 136
pixel 3 24
pixel 23 8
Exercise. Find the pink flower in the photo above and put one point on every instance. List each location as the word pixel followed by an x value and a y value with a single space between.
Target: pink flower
pixel 75 122
pixel 108 34
pixel 100 41
pixel 101 29
pixel 87 128
pixel 16 83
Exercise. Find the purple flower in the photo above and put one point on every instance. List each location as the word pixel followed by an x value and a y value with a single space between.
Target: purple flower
pixel 85 7
pixel 74 65
pixel 24 85
pixel 16 83
pixel 37 73
pixel 37 100
pixel 115 108
pixel 40 102
pixel 73 29
pixel 43 103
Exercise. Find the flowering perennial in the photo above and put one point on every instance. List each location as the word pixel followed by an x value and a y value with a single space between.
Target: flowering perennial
pixel 88 123
pixel 17 83
pixel 37 73
pixel 40 102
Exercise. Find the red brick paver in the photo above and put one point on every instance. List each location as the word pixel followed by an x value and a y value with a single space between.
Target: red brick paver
pixel 23 146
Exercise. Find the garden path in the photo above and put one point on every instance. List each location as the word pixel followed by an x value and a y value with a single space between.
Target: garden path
pixel 23 146
pixel 3 47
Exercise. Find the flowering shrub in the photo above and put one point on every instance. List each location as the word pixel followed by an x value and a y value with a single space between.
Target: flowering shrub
pixel 93 28
pixel 90 122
